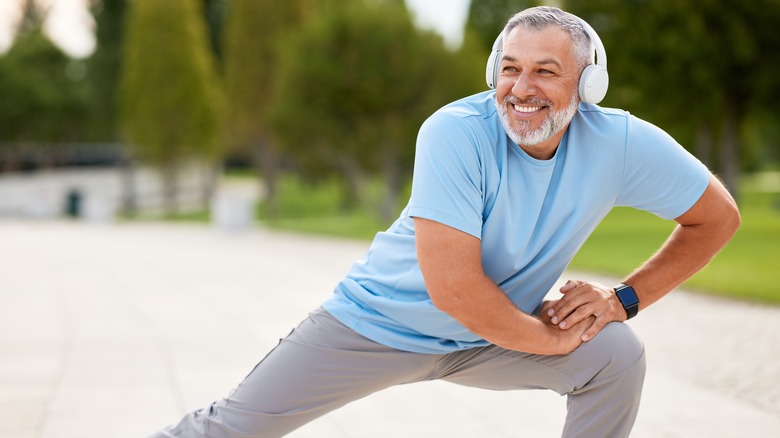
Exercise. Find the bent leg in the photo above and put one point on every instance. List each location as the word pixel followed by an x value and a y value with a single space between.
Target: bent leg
pixel 603 378
pixel 321 366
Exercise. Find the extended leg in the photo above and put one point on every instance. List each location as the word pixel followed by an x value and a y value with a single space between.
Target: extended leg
pixel 322 365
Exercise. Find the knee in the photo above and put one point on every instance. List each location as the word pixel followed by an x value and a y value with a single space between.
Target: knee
pixel 620 349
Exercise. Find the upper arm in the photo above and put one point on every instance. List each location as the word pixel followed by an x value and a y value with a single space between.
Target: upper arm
pixel 715 207
pixel 449 259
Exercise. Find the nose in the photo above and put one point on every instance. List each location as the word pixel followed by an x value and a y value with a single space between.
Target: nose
pixel 524 86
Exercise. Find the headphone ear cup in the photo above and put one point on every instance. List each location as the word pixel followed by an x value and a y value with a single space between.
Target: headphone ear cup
pixel 494 61
pixel 593 85
pixel 491 69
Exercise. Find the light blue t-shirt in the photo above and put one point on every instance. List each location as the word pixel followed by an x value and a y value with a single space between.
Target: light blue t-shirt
pixel 531 215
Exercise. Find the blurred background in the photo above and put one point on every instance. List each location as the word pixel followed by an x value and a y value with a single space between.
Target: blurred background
pixel 303 114
pixel 152 150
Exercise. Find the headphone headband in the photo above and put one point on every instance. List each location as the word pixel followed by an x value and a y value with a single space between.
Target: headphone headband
pixel 594 80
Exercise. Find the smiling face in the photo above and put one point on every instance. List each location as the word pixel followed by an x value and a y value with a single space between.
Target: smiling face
pixel 536 92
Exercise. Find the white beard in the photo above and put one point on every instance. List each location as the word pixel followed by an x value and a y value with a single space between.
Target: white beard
pixel 552 124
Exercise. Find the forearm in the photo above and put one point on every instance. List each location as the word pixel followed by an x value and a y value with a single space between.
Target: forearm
pixel 688 250
pixel 700 234
pixel 484 309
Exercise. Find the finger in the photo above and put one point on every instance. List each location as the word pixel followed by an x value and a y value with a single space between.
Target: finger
pixel 579 314
pixel 582 327
pixel 544 311
pixel 569 304
pixel 594 329
pixel 569 286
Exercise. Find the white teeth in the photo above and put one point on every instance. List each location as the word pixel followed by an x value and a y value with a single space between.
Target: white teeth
pixel 527 109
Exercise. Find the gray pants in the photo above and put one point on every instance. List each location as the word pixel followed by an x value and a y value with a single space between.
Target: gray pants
pixel 323 365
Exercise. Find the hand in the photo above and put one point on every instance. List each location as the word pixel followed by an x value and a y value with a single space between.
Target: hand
pixel 583 300
pixel 544 311
pixel 567 341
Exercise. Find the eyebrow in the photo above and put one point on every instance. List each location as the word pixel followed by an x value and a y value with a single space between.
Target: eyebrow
pixel 540 62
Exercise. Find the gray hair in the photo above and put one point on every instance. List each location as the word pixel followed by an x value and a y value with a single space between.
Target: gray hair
pixel 541 17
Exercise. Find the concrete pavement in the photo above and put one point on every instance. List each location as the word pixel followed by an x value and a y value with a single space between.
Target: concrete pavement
pixel 117 330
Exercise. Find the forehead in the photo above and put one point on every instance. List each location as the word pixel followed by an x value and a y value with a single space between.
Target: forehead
pixel 533 45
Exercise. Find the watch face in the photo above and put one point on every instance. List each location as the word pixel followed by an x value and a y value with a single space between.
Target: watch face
pixel 628 297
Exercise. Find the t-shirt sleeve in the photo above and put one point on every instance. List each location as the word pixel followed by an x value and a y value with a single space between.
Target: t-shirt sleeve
pixel 447 184
pixel 660 176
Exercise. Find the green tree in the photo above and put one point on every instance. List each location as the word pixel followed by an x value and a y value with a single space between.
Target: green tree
pixel 103 67
pixel 43 100
pixel 353 87
pixel 487 19
pixel 253 31
pixel 698 68
pixel 171 99
pixel 216 16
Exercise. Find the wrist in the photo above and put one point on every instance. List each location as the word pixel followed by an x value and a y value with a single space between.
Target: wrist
pixel 628 299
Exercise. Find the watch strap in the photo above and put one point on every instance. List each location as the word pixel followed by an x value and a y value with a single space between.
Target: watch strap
pixel 628 298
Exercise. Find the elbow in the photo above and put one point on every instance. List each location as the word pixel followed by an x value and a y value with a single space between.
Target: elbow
pixel 732 219
pixel 444 298
pixel 452 295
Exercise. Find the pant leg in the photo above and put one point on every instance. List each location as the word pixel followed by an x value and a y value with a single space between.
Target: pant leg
pixel 603 378
pixel 322 365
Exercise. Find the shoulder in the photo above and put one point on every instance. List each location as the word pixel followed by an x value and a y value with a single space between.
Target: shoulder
pixel 595 120
pixel 600 127
pixel 475 111
pixel 472 120
pixel 613 121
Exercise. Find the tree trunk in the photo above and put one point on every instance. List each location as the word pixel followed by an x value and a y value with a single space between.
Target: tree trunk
pixel 266 163
pixel 210 176
pixel 355 179
pixel 129 196
pixel 392 177
pixel 170 178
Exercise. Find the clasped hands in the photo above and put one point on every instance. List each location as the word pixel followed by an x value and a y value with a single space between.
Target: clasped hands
pixel 588 306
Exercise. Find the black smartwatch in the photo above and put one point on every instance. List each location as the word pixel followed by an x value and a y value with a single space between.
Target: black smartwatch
pixel 628 299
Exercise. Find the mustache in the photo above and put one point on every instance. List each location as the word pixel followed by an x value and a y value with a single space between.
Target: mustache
pixel 535 101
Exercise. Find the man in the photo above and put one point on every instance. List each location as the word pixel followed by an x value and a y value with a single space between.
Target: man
pixel 508 185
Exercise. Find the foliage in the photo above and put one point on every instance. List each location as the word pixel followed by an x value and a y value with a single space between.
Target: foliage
pixel 43 97
pixel 103 68
pixel 170 95
pixel 698 67
pixel 253 30
pixel 216 17
pixel 487 19
pixel 353 87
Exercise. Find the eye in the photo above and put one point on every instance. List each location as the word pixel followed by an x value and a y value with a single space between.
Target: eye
pixel 509 69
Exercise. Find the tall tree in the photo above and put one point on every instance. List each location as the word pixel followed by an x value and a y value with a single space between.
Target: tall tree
pixel 253 30
pixel 353 87
pixel 42 101
pixel 104 65
pixel 487 18
pixel 171 101
pixel 698 67
pixel 216 15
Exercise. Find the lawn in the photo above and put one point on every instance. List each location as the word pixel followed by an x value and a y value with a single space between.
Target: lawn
pixel 745 269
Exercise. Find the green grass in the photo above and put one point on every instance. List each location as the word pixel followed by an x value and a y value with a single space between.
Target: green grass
pixel 320 209
pixel 745 269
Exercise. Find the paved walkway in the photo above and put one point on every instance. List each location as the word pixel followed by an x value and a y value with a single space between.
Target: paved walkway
pixel 117 330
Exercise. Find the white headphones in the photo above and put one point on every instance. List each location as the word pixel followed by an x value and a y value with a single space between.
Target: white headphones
pixel 594 80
